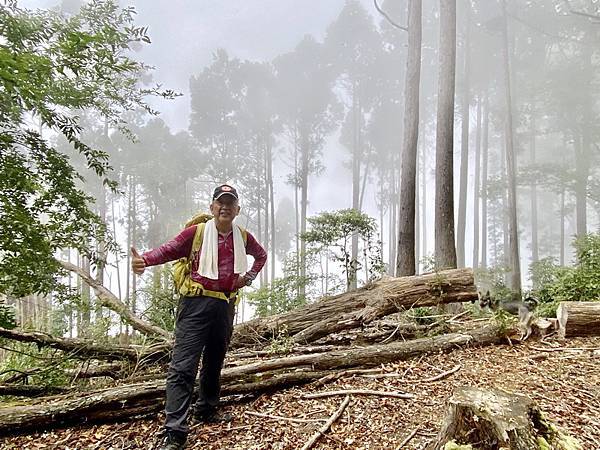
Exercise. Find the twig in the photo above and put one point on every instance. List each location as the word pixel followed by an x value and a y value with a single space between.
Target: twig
pixel 337 375
pixel 424 380
pixel 407 439
pixel 359 392
pixel 289 419
pixel 564 349
pixel 315 437
pixel 391 335
pixel 389 19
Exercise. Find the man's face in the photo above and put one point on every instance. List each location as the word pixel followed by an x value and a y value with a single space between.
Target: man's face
pixel 225 208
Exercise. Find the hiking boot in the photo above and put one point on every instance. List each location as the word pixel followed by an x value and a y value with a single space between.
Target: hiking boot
pixel 212 417
pixel 173 440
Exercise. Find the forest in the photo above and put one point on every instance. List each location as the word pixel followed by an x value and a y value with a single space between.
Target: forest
pixel 423 175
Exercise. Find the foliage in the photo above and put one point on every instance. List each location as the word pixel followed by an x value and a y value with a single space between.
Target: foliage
pixel 281 342
pixel 282 294
pixel 334 230
pixel 50 66
pixel 7 316
pixel 579 283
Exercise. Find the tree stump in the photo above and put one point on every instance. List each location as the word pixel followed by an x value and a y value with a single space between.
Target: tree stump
pixel 578 319
pixel 495 419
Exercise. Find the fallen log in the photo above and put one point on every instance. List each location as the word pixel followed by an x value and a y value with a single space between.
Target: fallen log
pixel 361 306
pixel 143 398
pixel 578 319
pixel 497 419
pixel 29 390
pixel 86 348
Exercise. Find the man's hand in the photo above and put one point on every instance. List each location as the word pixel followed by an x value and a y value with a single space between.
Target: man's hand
pixel 138 265
pixel 240 282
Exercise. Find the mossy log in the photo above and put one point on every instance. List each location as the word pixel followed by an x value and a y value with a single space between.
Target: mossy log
pixel 495 419
pixel 359 307
pixel 578 319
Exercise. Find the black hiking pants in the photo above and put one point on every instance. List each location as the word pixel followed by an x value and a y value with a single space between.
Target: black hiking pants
pixel 203 329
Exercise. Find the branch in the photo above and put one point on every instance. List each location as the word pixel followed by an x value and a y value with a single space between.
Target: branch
pixel 388 18
pixel 315 437
pixel 593 17
pixel 112 302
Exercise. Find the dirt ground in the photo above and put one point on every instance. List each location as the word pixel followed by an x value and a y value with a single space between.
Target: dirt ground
pixel 562 377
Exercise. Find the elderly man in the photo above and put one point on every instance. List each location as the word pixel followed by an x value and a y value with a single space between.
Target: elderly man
pixel 205 316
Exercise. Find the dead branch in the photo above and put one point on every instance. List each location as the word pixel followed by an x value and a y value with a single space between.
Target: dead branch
pixel 112 302
pixel 401 395
pixel 335 416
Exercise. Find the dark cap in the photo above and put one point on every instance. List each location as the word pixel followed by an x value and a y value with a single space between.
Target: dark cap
pixel 225 189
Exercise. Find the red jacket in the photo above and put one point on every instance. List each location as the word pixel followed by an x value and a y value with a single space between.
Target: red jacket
pixel 181 245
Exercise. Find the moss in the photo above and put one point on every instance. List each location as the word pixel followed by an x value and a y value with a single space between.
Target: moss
pixel 543 444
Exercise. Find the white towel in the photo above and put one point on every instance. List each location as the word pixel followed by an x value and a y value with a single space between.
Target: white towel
pixel 208 266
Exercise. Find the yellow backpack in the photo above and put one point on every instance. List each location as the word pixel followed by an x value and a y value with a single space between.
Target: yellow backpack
pixel 182 268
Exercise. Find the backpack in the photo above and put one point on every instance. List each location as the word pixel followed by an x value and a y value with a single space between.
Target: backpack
pixel 182 268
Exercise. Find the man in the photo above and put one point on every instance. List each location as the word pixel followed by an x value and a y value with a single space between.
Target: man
pixel 205 321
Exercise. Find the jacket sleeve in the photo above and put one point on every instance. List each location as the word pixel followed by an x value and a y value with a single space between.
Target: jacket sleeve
pixel 254 249
pixel 178 247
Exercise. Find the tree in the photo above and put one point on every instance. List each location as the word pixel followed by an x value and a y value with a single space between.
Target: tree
pixel 334 230
pixel 406 263
pixel 445 251
pixel 49 67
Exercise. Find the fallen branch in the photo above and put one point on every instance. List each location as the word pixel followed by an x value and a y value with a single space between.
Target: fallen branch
pixel 29 390
pixel 335 416
pixel 407 439
pixel 424 380
pixel 401 395
pixel 112 302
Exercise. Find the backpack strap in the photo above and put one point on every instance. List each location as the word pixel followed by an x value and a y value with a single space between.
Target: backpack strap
pixel 197 242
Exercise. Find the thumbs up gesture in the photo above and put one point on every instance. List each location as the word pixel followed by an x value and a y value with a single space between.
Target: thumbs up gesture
pixel 138 265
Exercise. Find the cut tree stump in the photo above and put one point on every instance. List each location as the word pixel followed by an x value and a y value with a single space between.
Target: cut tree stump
pixel 496 419
pixel 578 319
pixel 359 307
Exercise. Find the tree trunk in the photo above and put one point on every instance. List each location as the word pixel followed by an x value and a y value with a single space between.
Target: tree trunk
pixel 464 149
pixel 535 256
pixel 445 251
pixel 578 319
pixel 484 179
pixel 515 262
pixel 476 183
pixel 356 150
pixel 356 308
pixel 304 159
pixel 406 263
pixel 492 418
pixel 271 195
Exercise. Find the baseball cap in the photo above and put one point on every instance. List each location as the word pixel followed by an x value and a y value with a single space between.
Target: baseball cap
pixel 224 189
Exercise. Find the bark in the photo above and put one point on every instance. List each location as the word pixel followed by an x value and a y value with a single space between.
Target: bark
pixel 356 151
pixel 406 263
pixel 445 251
pixel 496 419
pixel 304 166
pixel 356 308
pixel 83 348
pixel 515 262
pixel 114 404
pixel 484 179
pixel 112 302
pixel 464 151
pixel 476 193
pixel 578 319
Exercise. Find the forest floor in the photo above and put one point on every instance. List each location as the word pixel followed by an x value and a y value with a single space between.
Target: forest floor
pixel 562 377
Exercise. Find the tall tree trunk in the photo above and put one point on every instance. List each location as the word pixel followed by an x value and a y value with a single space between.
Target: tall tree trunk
pixel 484 179
pixel 304 161
pixel 476 195
pixel 515 262
pixel 583 150
pixel 562 226
pixel 445 251
pixel 464 150
pixel 356 150
pixel 297 203
pixel 393 225
pixel 534 216
pixel 134 242
pixel 405 263
pixel 271 195
pixel 128 256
